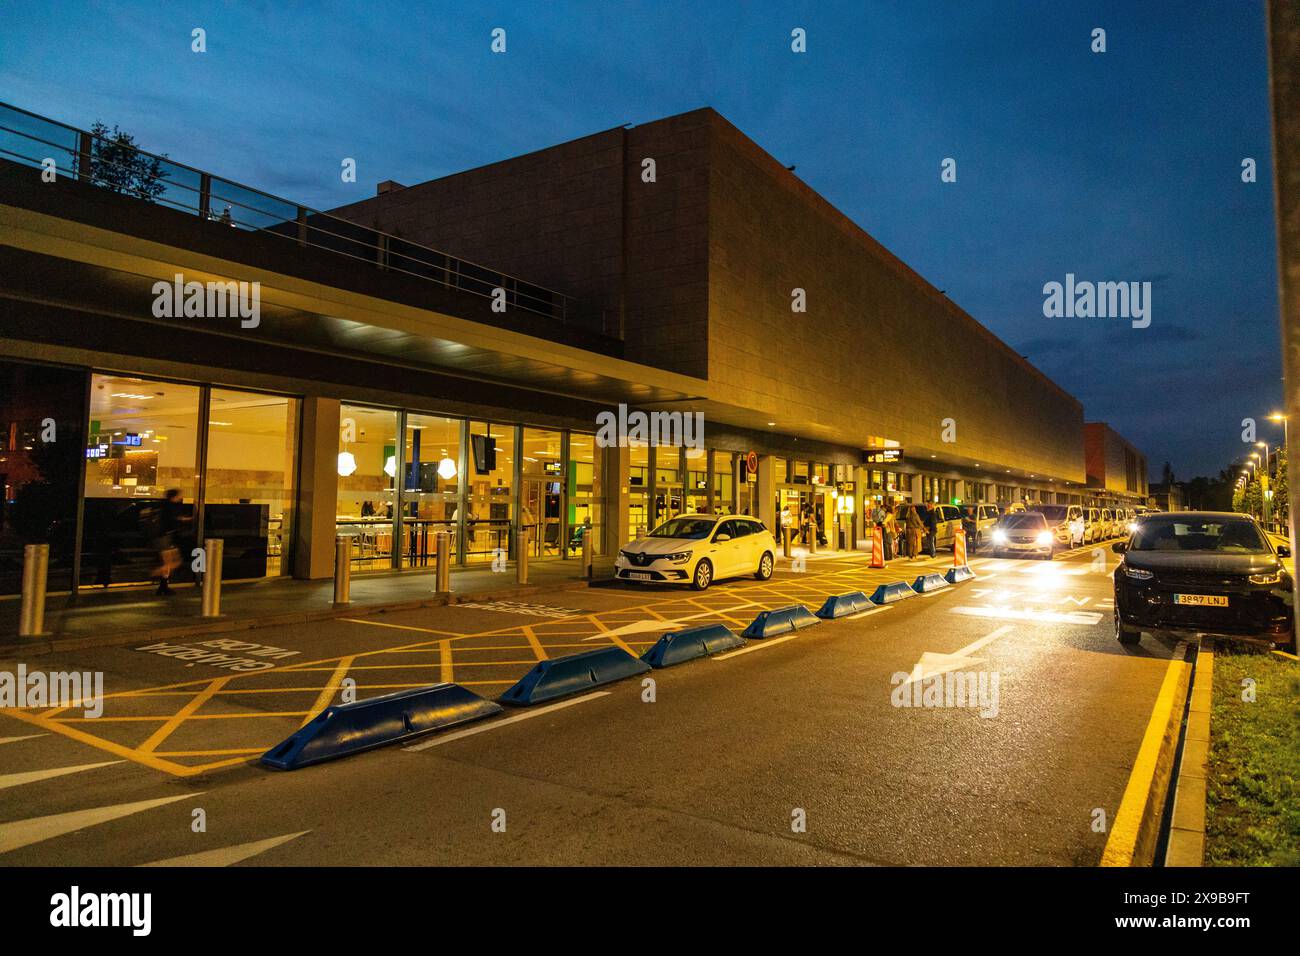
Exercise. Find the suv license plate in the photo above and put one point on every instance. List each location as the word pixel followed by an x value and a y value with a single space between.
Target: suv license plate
pixel 1202 600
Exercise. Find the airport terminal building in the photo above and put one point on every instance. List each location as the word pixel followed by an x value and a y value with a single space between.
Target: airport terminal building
pixel 441 357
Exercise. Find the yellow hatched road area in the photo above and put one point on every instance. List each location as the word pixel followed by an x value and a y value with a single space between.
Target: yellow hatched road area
pixel 205 724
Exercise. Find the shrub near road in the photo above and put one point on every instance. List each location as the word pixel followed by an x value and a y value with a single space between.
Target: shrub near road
pixel 1253 800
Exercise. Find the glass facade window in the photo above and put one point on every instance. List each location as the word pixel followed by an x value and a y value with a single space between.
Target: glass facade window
pixel 42 417
pixel 541 495
pixel 638 486
pixel 489 520
pixel 142 441
pixel 586 508
pixel 431 485
pixel 367 495
pixel 697 481
pixel 249 480
pixel 724 481
pixel 669 487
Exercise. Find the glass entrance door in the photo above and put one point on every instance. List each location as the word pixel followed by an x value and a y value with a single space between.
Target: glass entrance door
pixel 540 515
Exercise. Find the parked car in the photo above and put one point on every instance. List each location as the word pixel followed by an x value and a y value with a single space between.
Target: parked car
pixel 698 550
pixel 949 520
pixel 1023 533
pixel 1092 526
pixel 1066 522
pixel 984 517
pixel 1107 524
pixel 1194 573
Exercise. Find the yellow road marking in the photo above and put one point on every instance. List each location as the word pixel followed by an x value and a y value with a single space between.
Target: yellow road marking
pixel 178 718
pixel 399 627
pixel 536 644
pixel 329 690
pixel 1122 842
pixel 606 632
pixel 206 689
pixel 147 760
pixel 444 662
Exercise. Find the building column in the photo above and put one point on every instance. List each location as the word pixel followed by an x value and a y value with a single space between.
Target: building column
pixel 766 505
pixel 616 468
pixel 318 489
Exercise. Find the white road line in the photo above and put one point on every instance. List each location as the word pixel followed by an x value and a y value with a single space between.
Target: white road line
pixel 227 855
pixel 32 776
pixel 1030 615
pixel 20 833
pixel 866 613
pixel 14 740
pixel 988 638
pixel 772 642
pixel 493 725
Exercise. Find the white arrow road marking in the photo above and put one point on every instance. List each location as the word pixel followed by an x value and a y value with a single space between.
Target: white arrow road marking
pixel 493 725
pixel 640 627
pixel 18 779
pixel 1030 615
pixel 228 855
pixel 14 740
pixel 20 833
pixel 932 663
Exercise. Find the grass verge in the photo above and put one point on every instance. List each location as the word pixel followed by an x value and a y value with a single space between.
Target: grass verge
pixel 1252 812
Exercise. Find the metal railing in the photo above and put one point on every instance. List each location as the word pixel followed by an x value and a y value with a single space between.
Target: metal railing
pixel 34 140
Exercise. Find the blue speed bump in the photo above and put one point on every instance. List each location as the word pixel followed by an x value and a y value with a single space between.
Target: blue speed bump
pixel 888 593
pixel 573 674
pixel 352 728
pixel 929 582
pixel 957 575
pixel 781 621
pixel 680 646
pixel 842 605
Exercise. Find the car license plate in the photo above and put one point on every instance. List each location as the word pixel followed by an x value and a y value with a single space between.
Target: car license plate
pixel 638 575
pixel 1202 600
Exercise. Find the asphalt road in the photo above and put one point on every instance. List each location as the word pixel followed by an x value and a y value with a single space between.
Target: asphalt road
pixel 790 752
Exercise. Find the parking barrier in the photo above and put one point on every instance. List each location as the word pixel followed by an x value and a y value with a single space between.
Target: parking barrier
pixel 677 647
pixel 781 621
pixel 351 728
pixel 563 676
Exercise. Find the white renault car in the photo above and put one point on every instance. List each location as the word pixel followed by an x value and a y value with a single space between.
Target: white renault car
pixel 698 550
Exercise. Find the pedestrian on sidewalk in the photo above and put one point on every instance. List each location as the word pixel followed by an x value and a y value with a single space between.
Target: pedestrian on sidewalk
pixel 889 533
pixel 932 527
pixel 915 529
pixel 168 518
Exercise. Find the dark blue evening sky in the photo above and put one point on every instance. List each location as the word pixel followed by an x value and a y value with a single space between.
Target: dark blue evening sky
pixel 1122 166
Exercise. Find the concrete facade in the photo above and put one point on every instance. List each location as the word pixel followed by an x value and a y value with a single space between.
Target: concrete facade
pixel 697 271
pixel 1115 466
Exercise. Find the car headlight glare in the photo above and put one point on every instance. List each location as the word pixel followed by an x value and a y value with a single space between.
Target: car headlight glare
pixel 999 537
pixel 1273 578
pixel 1044 537
pixel 680 556
pixel 1137 573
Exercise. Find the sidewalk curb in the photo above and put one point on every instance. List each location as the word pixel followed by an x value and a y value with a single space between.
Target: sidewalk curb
pixel 1135 830
pixel 1186 845
pixel 200 627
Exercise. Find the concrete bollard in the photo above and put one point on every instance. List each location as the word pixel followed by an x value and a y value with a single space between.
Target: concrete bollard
pixel 586 555
pixel 785 541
